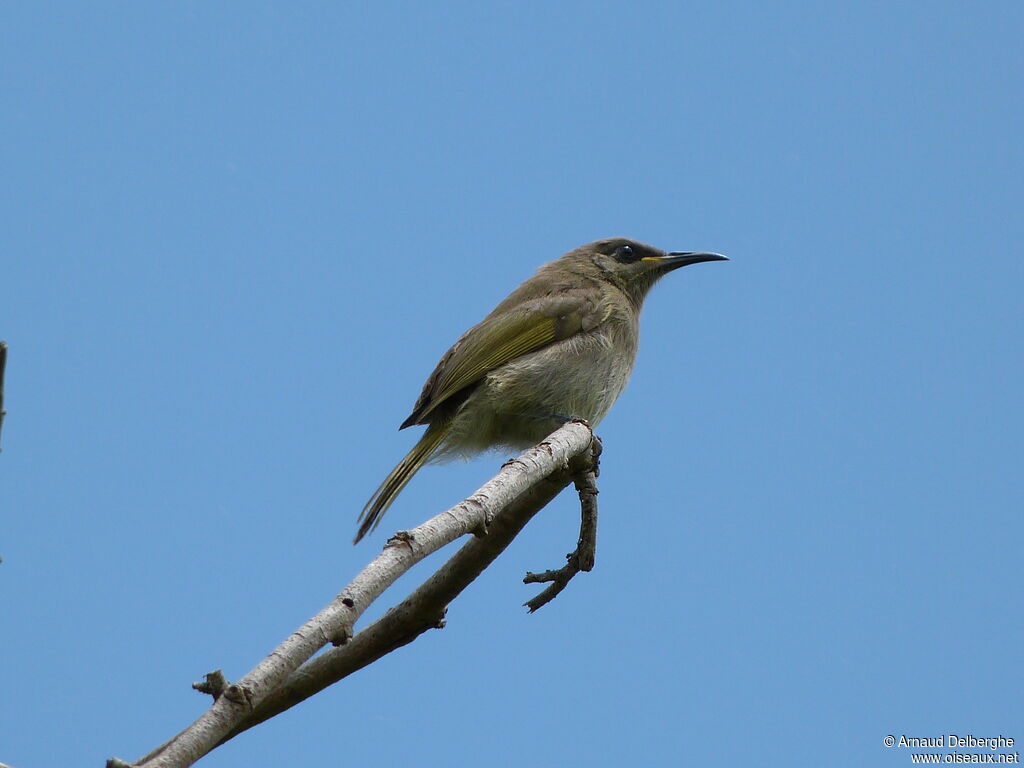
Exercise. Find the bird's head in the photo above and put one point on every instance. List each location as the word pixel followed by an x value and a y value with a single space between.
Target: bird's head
pixel 632 266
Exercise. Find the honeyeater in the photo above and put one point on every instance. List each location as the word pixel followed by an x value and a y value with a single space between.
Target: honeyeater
pixel 560 347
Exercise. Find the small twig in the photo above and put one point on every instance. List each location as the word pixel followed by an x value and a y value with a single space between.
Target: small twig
pixel 3 365
pixel 583 557
pixel 215 684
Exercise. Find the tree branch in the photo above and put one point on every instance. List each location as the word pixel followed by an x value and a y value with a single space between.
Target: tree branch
pixel 495 513
pixel 3 366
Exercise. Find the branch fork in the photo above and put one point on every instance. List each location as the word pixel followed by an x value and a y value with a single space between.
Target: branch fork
pixel 495 514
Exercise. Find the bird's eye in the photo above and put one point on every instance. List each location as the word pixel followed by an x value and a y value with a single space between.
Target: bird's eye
pixel 625 254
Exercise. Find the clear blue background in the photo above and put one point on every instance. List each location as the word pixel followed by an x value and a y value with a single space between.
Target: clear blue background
pixel 236 237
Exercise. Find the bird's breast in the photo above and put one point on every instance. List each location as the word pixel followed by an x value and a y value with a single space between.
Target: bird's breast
pixel 521 402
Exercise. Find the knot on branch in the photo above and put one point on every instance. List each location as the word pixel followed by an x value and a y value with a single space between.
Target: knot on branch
pixel 214 684
pixel 401 537
pixel 238 694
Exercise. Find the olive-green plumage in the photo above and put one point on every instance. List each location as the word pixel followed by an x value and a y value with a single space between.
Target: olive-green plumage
pixel 560 347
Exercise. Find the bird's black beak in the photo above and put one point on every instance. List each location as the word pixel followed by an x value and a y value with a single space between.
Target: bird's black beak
pixel 678 259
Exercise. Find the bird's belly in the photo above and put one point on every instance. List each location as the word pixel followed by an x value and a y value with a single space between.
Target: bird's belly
pixel 525 400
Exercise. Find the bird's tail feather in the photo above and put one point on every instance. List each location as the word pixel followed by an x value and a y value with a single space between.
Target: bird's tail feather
pixel 398 478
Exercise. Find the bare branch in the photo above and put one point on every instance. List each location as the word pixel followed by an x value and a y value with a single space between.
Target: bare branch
pixel 3 366
pixel 422 609
pixel 496 513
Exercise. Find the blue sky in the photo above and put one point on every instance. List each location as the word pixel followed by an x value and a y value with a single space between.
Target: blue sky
pixel 236 238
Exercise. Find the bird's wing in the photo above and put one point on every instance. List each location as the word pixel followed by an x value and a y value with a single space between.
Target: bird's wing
pixel 499 339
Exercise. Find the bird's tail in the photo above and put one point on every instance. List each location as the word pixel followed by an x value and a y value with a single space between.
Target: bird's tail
pixel 398 478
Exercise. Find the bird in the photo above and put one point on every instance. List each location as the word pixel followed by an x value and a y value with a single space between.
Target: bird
pixel 559 348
